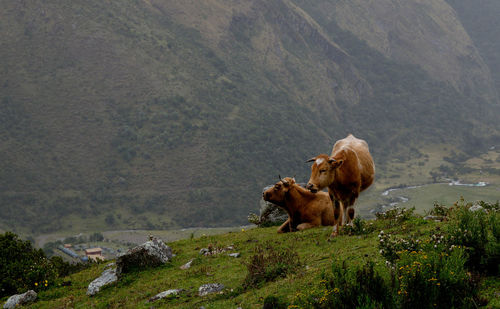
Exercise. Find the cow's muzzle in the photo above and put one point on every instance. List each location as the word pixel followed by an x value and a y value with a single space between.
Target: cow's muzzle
pixel 311 187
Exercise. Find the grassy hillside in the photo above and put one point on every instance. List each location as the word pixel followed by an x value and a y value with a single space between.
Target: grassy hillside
pixel 310 280
pixel 166 114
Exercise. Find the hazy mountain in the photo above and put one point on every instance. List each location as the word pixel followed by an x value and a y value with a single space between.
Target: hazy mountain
pixel 176 113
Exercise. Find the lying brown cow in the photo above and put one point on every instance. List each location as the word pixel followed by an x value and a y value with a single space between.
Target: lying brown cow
pixel 348 171
pixel 305 209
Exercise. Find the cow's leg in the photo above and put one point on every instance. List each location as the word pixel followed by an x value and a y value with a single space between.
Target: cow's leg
pixel 349 210
pixel 338 216
pixel 345 217
pixel 350 214
pixel 285 227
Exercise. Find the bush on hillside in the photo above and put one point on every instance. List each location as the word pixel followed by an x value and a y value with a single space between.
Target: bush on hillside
pixel 479 233
pixel 269 263
pixel 358 227
pixel 430 278
pixel 349 287
pixel 22 267
pixel 396 215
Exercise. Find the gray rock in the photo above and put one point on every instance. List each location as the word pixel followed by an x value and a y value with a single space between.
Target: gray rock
pixel 204 251
pixel 477 208
pixel 187 265
pixel 236 254
pixel 271 213
pixel 210 288
pixel 150 254
pixel 20 299
pixel 108 277
pixel 164 294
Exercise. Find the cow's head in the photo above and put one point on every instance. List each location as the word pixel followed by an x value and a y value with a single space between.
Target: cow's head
pixel 322 172
pixel 277 194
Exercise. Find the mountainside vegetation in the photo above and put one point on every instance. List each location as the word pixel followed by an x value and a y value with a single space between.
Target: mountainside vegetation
pixel 163 114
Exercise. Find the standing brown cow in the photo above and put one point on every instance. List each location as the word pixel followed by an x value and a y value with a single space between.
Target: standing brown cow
pixel 305 209
pixel 348 171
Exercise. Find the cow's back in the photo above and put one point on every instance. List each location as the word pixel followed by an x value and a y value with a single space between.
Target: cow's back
pixel 362 155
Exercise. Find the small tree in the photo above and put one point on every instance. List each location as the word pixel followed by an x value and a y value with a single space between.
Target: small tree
pixel 22 267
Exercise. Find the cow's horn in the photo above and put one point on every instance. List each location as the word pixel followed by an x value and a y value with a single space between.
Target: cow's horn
pixel 311 160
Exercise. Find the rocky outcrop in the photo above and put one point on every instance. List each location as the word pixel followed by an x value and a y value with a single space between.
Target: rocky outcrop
pixel 20 299
pixel 108 277
pixel 210 288
pixel 150 254
pixel 165 294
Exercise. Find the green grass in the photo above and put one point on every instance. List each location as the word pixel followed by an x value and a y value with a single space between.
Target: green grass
pixel 315 253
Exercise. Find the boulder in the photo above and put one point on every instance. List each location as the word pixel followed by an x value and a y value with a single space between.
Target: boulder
pixel 210 288
pixel 150 254
pixel 477 208
pixel 235 255
pixel 271 214
pixel 164 294
pixel 20 299
pixel 108 277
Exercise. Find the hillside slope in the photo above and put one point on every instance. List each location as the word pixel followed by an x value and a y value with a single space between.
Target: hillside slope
pixel 397 252
pixel 163 114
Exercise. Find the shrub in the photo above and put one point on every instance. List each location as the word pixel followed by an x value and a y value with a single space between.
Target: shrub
pixel 64 269
pixel 350 287
pixel 429 279
pixel 273 302
pixel 479 233
pixel 268 263
pixel 359 227
pixel 439 210
pixel 22 267
pixel 390 246
pixel 396 215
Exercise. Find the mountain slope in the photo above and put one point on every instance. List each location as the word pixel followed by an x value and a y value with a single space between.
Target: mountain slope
pixel 174 113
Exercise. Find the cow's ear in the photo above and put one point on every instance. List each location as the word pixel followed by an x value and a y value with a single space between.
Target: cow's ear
pixel 335 163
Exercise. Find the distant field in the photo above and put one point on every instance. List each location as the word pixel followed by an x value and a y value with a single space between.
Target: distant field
pixel 424 197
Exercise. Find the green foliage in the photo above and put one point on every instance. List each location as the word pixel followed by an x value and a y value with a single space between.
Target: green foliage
pixel 268 263
pixel 64 269
pixel 22 267
pixel 359 227
pixel 350 287
pixel 429 279
pixel 391 246
pixel 95 237
pixel 478 232
pixel 439 210
pixel 274 302
pixel 396 215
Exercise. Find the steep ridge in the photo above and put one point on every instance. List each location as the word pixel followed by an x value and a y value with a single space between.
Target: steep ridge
pixel 163 114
